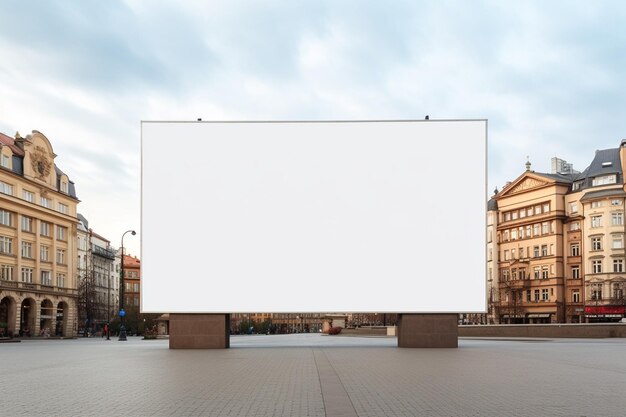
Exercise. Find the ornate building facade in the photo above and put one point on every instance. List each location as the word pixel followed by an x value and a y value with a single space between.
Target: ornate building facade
pixel 38 227
pixel 560 244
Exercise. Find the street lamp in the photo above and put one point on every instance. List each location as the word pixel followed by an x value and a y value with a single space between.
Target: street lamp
pixel 122 312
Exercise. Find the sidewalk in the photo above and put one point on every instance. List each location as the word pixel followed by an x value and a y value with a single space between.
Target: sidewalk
pixel 314 375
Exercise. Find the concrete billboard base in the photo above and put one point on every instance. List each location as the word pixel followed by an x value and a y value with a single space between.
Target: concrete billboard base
pixel 199 331
pixel 428 331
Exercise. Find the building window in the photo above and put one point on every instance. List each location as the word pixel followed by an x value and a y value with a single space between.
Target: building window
pixel 63 208
pixel 514 234
pixel 61 256
pixel 514 215
pixel 576 272
pixel 545 228
pixel 575 296
pixel 27 224
pixel 61 233
pixel 507 216
pixel 573 207
pixel 546 208
pixel 528 296
pixel 596 221
pixel 522 213
pixel 618 242
pixel 618 292
pixel 618 265
pixel 44 229
pixel 544 250
pixel 575 249
pixel 6 245
pixel 596 266
pixel 521 252
pixel 596 243
pixel 4 161
pixel 5 218
pixel 28 196
pixel 536 251
pixel 596 204
pixel 63 187
pixel 27 250
pixel 61 280
pixel 616 202
pixel 27 275
pixel 522 273
pixel 529 211
pixel 536 272
pixel 536 229
pixel 44 253
pixel 6 188
pixel 605 179
pixel 536 295
pixel 506 258
pixel 6 272
pixel 506 235
pixel 45 278
pixel 544 272
pixel 596 293
pixel 617 219
pixel 544 294
pixel 574 226
pixel 46 202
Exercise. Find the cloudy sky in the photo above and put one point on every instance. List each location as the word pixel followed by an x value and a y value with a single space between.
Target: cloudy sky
pixel 549 76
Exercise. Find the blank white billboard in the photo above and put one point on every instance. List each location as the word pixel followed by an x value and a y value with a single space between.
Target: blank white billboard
pixel 359 216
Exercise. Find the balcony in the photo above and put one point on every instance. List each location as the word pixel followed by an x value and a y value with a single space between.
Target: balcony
pixel 31 287
pixel 103 252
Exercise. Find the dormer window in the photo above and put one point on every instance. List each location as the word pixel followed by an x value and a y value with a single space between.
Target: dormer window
pixel 5 161
pixel 607 164
pixel 63 187
pixel 605 179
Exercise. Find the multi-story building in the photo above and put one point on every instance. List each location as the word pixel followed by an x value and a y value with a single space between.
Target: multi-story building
pixel 37 239
pixel 560 242
pixel 132 294
pixel 530 239
pixel 493 288
pixel 597 208
pixel 98 289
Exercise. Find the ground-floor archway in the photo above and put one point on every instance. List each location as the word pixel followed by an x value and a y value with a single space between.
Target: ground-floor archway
pixel 47 314
pixel 62 315
pixel 28 314
pixel 7 317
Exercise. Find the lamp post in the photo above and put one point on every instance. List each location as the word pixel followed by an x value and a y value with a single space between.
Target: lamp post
pixel 122 312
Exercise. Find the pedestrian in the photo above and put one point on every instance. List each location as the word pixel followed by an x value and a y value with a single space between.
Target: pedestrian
pixel 106 330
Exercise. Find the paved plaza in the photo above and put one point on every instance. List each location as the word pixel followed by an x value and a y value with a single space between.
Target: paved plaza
pixel 314 375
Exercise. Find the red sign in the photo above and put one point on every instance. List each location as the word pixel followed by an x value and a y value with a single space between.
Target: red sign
pixel 604 310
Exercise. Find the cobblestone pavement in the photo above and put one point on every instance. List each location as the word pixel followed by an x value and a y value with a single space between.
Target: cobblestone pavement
pixel 314 375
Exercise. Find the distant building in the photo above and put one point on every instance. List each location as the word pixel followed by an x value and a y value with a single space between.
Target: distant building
pixel 38 285
pixel 98 289
pixel 561 166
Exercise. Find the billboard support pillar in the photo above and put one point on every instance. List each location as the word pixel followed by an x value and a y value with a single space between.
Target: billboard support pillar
pixel 428 331
pixel 199 331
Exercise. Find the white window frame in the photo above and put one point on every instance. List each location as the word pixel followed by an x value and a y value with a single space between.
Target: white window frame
pixel 6 245
pixel 27 275
pixel 44 253
pixel 6 188
pixel 27 250
pixel 6 217
pixel 46 278
pixel 28 196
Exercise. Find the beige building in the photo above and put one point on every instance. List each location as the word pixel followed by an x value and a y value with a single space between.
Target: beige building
pixel 560 244
pixel 38 286
pixel 598 200
pixel 530 245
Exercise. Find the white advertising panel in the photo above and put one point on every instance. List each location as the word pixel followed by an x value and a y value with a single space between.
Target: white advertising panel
pixel 358 216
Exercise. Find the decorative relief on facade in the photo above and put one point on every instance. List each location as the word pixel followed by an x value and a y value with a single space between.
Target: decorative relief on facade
pixel 527 184
pixel 40 163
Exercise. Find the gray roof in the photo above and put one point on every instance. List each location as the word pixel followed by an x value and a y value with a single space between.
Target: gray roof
pixel 492 204
pixel 559 177
pixel 613 192
pixel 596 168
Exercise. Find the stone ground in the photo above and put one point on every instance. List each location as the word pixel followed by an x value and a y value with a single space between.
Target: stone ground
pixel 314 375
